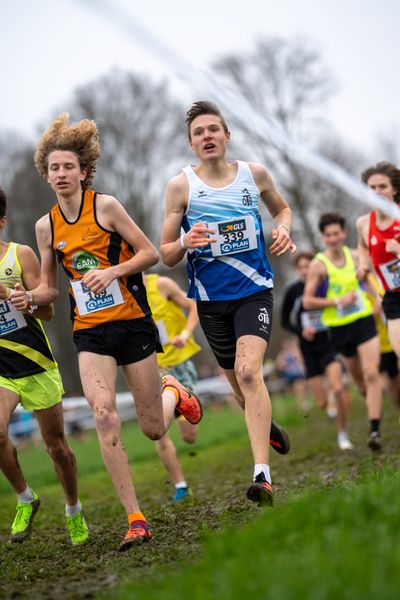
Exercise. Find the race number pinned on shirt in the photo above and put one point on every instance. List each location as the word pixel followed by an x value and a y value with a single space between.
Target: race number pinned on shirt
pixel 162 332
pixel 350 309
pixel 391 273
pixel 88 302
pixel 312 318
pixel 11 319
pixel 235 235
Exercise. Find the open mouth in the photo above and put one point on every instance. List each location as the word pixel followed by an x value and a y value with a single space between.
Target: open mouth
pixel 209 146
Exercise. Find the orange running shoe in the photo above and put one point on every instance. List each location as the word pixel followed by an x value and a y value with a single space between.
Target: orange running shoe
pixel 188 405
pixel 260 490
pixel 138 533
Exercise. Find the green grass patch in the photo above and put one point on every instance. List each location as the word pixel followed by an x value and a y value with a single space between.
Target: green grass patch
pixel 325 544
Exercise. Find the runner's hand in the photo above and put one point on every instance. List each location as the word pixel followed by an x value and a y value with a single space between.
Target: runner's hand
pixel 96 280
pixel 197 236
pixel 348 299
pixel 179 341
pixel 308 333
pixel 392 246
pixel 19 297
pixel 362 273
pixel 281 242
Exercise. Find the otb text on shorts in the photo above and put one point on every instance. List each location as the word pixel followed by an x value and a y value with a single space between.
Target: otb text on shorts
pixel 225 321
pixel 36 392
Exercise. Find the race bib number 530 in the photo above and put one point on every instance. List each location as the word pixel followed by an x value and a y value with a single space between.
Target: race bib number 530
pixel 88 302
pixel 235 235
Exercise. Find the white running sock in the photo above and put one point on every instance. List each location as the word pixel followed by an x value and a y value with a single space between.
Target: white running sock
pixel 71 511
pixel 26 496
pixel 260 468
pixel 342 436
pixel 181 484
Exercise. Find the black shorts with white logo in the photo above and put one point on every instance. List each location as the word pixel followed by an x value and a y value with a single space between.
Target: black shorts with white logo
pixel 318 354
pixel 347 338
pixel 126 341
pixel 225 321
pixel 391 305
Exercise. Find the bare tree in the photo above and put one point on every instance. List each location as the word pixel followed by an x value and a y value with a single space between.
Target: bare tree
pixel 288 81
pixel 142 132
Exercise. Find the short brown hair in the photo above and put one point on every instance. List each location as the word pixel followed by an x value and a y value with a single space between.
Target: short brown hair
pixel 385 168
pixel 308 255
pixel 81 138
pixel 204 107
pixel 331 219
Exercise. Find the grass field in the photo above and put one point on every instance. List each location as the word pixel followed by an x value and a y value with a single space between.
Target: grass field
pixel 333 532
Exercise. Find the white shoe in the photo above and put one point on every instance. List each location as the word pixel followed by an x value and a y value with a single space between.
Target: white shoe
pixel 332 412
pixel 345 444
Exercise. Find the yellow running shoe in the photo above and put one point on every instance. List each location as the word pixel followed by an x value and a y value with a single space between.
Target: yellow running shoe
pixel 78 528
pixel 22 525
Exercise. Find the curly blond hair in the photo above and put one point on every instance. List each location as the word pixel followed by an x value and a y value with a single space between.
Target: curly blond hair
pixel 82 138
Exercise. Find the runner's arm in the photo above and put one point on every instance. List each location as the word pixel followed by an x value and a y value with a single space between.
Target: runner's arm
pixel 173 292
pixel 364 261
pixel 47 291
pixel 278 208
pixel 113 216
pixel 30 267
pixel 173 244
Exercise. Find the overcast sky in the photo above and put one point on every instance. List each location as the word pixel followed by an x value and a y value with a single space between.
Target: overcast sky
pixel 48 47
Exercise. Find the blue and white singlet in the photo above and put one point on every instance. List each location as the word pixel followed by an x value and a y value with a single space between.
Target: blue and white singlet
pixel 236 265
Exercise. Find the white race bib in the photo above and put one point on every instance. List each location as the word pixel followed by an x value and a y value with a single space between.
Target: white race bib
pixel 88 302
pixel 11 319
pixel 312 318
pixel 162 332
pixel 391 273
pixel 358 306
pixel 235 235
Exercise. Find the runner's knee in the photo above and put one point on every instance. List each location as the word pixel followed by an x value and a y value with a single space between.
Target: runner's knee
pixel 106 419
pixel 371 376
pixel 57 448
pixel 246 374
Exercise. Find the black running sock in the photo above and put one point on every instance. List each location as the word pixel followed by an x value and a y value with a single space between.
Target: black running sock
pixel 374 423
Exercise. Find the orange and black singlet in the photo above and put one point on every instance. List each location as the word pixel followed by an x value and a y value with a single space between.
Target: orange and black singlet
pixel 83 245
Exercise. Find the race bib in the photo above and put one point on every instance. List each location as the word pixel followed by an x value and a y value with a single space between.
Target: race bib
pixel 312 318
pixel 235 235
pixel 162 332
pixel 11 319
pixel 391 273
pixel 88 302
pixel 358 306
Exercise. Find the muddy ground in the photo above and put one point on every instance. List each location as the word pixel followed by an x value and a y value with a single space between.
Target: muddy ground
pixel 46 567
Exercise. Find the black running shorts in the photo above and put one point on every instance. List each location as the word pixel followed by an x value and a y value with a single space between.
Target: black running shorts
pixel 389 364
pixel 317 354
pixel 126 341
pixel 391 305
pixel 347 338
pixel 225 321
